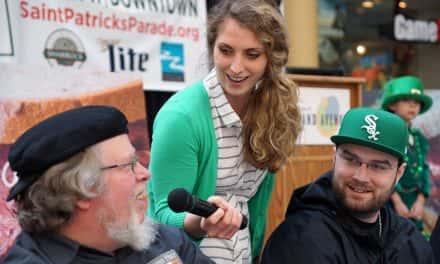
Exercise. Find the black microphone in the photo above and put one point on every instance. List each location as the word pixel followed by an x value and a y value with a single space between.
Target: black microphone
pixel 179 200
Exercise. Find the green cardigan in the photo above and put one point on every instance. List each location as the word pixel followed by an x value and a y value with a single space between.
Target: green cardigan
pixel 184 153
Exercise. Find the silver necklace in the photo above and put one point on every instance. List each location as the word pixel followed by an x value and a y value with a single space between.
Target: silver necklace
pixel 380 226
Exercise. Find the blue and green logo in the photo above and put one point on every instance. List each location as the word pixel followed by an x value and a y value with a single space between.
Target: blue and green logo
pixel 172 61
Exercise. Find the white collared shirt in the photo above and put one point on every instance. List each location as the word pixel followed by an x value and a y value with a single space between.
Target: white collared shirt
pixel 237 180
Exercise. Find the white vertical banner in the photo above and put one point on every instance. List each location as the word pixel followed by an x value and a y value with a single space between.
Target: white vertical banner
pixel 322 110
pixel 164 41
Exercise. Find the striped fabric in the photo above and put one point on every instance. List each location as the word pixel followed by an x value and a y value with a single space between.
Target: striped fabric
pixel 237 180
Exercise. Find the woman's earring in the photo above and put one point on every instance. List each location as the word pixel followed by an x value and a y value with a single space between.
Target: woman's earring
pixel 258 85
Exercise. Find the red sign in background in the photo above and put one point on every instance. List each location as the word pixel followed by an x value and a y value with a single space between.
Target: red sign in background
pixel 9 228
pixel 47 95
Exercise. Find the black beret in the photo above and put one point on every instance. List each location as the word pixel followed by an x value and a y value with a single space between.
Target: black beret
pixel 58 138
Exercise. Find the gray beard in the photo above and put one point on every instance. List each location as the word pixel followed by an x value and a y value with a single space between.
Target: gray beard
pixel 138 236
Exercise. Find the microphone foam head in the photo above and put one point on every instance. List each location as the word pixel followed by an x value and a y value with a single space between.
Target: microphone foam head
pixel 179 200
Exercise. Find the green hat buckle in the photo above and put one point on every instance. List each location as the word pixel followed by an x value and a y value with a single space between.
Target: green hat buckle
pixel 374 128
pixel 406 87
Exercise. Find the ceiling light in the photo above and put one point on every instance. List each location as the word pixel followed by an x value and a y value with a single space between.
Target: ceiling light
pixel 361 49
pixel 402 4
pixel 368 4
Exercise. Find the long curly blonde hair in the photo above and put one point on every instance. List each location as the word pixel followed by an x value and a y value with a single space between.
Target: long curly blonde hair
pixel 272 121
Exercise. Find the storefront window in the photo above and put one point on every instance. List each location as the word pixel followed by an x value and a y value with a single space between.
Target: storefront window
pixel 359 37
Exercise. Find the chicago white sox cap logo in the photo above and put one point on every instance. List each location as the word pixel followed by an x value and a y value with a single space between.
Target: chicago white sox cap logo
pixel 371 127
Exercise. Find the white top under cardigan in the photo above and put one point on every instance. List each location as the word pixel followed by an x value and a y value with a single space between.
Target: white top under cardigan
pixel 237 180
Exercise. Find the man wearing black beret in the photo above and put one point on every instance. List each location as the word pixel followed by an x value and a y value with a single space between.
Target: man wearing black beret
pixel 81 195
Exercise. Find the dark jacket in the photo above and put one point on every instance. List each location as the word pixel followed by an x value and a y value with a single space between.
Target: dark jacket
pixel 54 249
pixel 316 230
pixel 435 241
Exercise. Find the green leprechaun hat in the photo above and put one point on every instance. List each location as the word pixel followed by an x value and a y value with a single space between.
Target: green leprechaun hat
pixel 406 87
pixel 374 128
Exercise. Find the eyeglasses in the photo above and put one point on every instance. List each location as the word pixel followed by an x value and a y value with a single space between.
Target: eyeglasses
pixel 132 165
pixel 353 162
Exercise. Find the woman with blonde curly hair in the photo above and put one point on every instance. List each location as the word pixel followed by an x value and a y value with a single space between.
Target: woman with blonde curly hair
pixel 224 137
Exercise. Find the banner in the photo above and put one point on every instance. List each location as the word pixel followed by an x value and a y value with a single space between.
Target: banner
pixel 164 41
pixel 322 110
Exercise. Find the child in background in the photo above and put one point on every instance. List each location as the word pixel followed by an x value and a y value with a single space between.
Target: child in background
pixel 404 97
